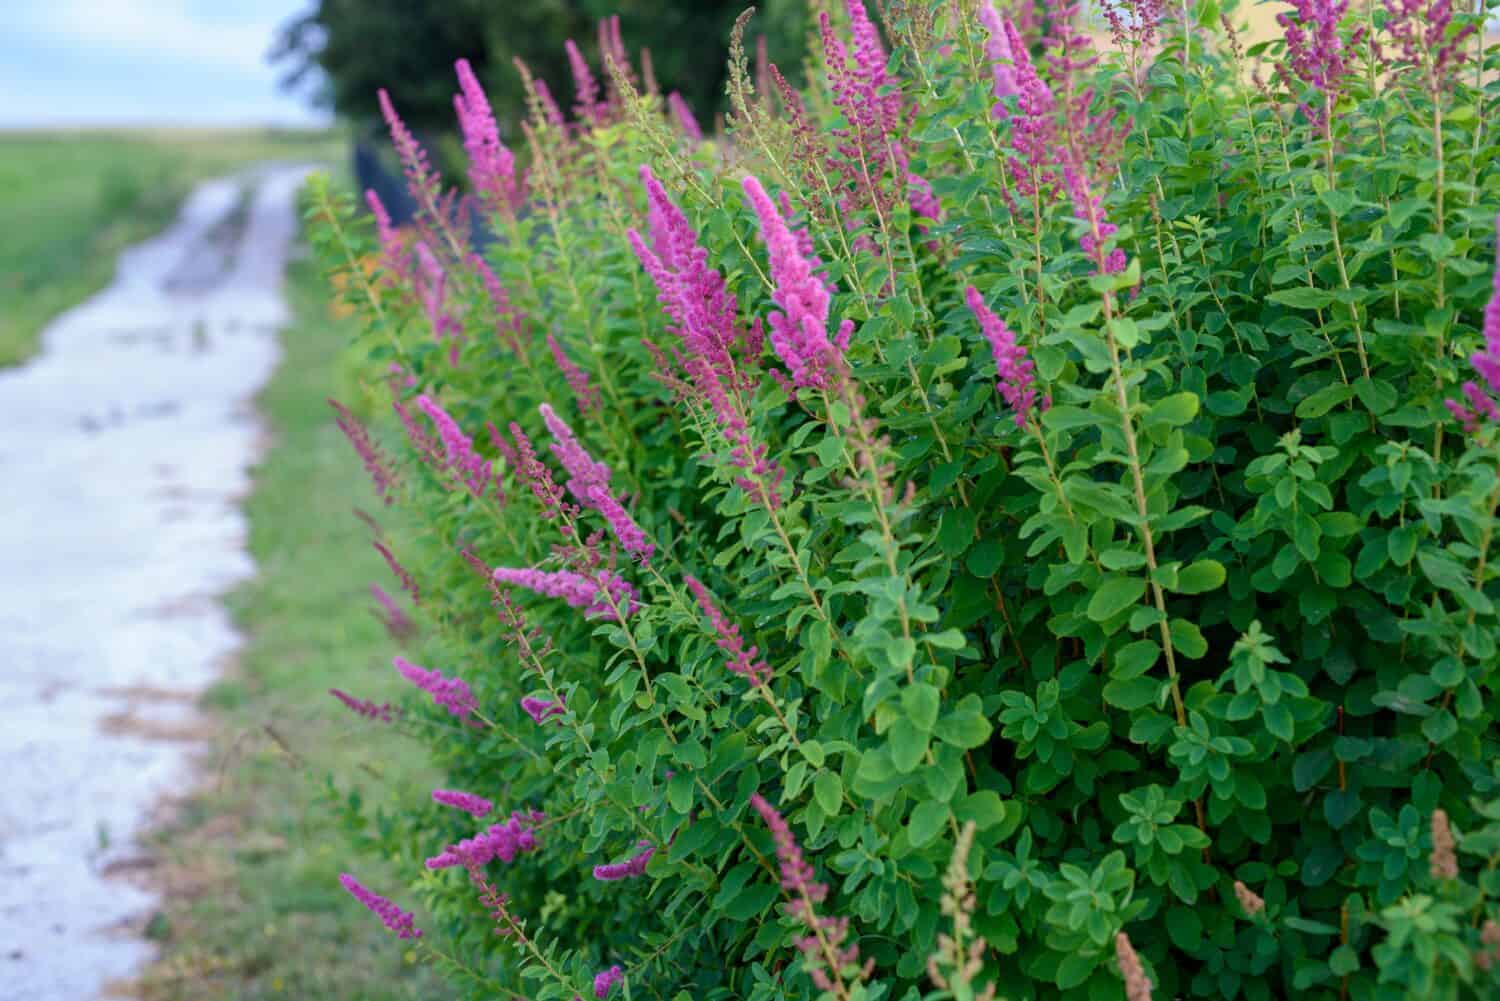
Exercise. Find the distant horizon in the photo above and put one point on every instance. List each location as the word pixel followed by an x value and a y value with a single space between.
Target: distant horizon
pixel 141 64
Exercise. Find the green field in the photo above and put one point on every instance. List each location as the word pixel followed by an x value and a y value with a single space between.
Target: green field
pixel 70 201
pixel 253 907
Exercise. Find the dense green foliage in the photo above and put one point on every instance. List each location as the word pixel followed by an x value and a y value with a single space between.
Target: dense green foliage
pixel 358 46
pixel 1201 650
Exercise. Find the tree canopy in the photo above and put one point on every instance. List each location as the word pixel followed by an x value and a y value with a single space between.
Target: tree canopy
pixel 409 48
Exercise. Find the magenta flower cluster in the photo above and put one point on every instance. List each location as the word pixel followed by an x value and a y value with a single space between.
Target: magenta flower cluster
pixel 492 166
pixel 584 393
pixel 392 615
pixel 1015 371
pixel 394 256
pixel 421 179
pixel 369 453
pixel 587 104
pixel 743 660
pixel 476 806
pixel 585 591
pixel 508 319
pixel 394 917
pixel 799 332
pixel 1479 404
pixel 364 707
pixel 588 482
pixel 503 841
pixel 452 694
pixel 605 980
pixel 629 869
pixel 408 582
pixel 872 147
pixel 540 710
pixel 459 457
pixel 799 883
pixel 705 315
pixel 704 312
pixel 432 290
pixel 1316 55
pixel 997 49
pixel 684 115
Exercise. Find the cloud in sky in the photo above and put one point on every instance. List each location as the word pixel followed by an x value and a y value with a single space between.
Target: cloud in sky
pixel 144 62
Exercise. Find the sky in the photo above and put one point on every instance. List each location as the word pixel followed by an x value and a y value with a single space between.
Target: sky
pixel 145 62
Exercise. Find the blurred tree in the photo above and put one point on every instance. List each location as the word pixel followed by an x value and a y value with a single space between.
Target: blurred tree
pixel 409 46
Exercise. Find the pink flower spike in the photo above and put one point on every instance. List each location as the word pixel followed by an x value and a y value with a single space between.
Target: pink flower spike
pixel 492 166
pixel 421 179
pixel 605 980
pixel 370 456
pixel 1481 395
pixel 364 707
pixel 475 806
pixel 504 841
pixel 578 380
pixel 630 868
pixel 997 50
pixel 393 254
pixel 1017 375
pixel 393 917
pixel 742 660
pixel 452 694
pixel 684 115
pixel 540 710
pixel 432 289
pixel 473 471
pixel 799 333
pixel 585 88
pixel 579 590
pixel 589 482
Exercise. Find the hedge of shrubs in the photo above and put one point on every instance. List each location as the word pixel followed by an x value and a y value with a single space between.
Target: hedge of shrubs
pixel 1012 518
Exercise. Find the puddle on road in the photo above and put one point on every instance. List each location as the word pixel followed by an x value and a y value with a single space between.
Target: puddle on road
pixel 124 451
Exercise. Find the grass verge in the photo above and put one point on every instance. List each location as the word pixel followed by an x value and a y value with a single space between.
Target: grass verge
pixel 253 908
pixel 71 201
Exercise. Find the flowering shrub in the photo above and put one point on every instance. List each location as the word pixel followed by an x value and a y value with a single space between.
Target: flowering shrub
pixel 1013 519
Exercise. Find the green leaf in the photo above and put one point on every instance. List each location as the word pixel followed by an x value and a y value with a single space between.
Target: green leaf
pixel 1187 639
pixel 985 808
pixel 1135 659
pixel 1204 575
pixel 1173 411
pixel 908 745
pixel 1115 595
pixel 1135 693
pixel 956 532
pixel 828 790
pixel 812 750
pixel 921 701
pixel 1443 571
pixel 1185 928
pixel 1324 400
pixel 1279 722
pixel 965 726
pixel 1309 768
pixel 1339 202
pixel 1302 297
pixel 1440 726
pixel 926 822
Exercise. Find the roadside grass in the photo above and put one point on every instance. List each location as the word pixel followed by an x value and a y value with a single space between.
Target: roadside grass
pixel 71 201
pixel 253 908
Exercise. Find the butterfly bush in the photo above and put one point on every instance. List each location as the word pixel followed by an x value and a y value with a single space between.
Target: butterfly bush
pixel 1012 517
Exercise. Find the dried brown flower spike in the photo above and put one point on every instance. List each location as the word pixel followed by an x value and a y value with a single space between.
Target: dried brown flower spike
pixel 1137 987
pixel 1444 863
pixel 1249 899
